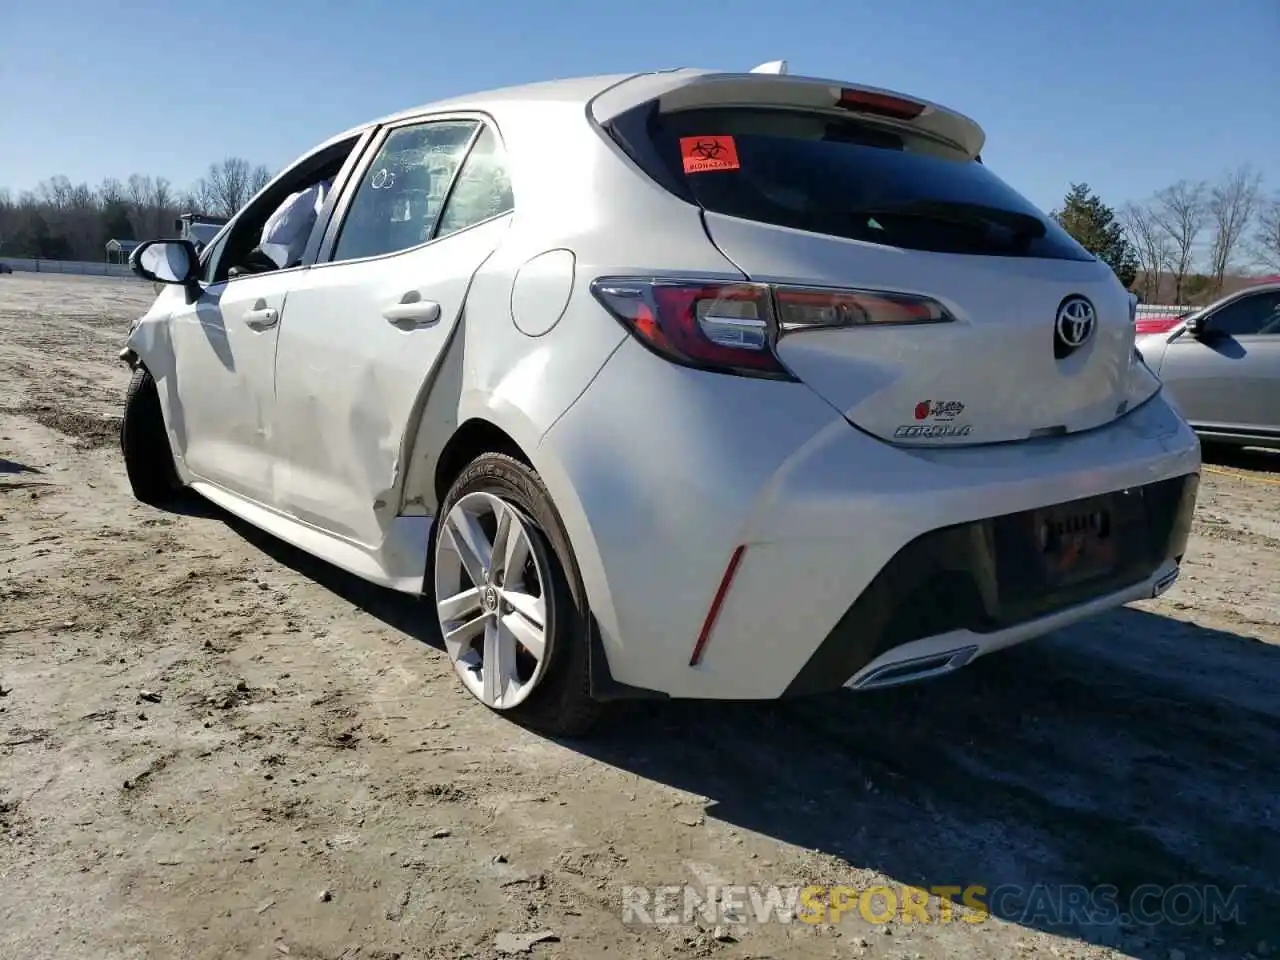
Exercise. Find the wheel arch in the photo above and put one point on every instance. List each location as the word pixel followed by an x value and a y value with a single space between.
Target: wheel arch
pixel 472 438
pixel 493 424
pixel 497 426
pixel 150 346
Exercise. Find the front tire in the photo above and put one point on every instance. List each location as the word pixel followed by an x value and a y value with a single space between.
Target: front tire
pixel 509 600
pixel 144 443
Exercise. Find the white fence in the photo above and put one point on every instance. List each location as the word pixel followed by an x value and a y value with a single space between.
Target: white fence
pixel 89 268
pixel 1156 310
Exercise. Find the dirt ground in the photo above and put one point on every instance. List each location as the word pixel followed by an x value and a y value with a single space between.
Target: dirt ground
pixel 213 746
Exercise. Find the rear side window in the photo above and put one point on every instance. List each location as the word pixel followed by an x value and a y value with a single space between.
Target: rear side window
pixel 401 194
pixel 482 189
pixel 844 177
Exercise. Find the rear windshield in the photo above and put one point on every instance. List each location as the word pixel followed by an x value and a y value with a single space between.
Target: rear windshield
pixel 842 177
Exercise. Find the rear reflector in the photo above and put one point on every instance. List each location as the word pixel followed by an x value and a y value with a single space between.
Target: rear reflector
pixel 709 624
pixel 865 101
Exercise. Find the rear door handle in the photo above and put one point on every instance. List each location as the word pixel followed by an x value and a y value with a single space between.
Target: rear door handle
pixel 261 318
pixel 412 312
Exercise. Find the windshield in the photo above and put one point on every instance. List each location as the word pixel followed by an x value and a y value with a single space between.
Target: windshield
pixel 851 178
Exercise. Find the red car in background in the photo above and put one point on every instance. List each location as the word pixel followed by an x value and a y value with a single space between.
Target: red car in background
pixel 1164 324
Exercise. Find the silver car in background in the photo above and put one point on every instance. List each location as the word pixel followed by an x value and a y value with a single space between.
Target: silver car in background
pixel 1221 366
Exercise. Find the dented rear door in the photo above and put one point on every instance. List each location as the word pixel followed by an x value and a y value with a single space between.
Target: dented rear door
pixel 366 328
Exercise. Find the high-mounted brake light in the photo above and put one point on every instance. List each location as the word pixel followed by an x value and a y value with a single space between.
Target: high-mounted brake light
pixel 865 101
pixel 733 327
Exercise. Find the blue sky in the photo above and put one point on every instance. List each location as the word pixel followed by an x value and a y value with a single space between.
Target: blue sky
pixel 1128 95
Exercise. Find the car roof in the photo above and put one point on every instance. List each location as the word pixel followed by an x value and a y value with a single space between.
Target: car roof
pixel 568 90
pixel 625 90
pixel 1265 285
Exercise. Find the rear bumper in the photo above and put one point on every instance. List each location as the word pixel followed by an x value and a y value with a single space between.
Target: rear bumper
pixel 934 656
pixel 854 548
pixel 955 593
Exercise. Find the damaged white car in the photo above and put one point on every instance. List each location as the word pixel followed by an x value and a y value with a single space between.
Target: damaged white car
pixel 676 384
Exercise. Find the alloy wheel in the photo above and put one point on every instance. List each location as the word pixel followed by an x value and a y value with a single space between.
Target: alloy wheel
pixel 491 598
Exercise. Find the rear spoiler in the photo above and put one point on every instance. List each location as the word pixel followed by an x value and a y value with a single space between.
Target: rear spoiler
pixel 686 89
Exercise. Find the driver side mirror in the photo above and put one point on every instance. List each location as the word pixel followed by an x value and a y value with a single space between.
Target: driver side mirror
pixel 1195 326
pixel 166 261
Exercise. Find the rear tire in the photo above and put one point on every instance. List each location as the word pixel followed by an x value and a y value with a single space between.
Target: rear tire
pixel 550 693
pixel 144 443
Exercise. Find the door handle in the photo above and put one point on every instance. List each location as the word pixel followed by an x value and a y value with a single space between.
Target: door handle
pixel 261 317
pixel 412 312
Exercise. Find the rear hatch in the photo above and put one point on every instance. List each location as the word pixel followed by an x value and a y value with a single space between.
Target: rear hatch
pixel 838 194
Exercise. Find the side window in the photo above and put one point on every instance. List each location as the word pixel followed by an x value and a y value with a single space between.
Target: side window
pixel 210 257
pixel 483 187
pixel 1249 315
pixel 400 194
pixel 1271 322
pixel 271 233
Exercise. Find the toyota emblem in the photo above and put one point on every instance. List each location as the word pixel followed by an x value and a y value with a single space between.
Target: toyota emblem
pixel 1074 326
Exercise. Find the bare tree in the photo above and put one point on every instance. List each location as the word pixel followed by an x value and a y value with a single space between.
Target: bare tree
pixel 1266 241
pixel 201 197
pixel 161 193
pixel 1181 211
pixel 1232 204
pixel 1151 244
pixel 112 191
pixel 82 197
pixel 151 203
pixel 66 215
pixel 8 216
pixel 260 177
pixel 138 191
pixel 190 201
pixel 113 201
pixel 59 219
pixel 227 186
pixel 55 192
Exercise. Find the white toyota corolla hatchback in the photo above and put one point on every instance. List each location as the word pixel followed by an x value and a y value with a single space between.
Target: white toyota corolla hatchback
pixel 676 384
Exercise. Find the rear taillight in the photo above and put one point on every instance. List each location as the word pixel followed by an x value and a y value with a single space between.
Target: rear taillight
pixel 808 309
pixel 733 327
pixel 1156 324
pixel 728 327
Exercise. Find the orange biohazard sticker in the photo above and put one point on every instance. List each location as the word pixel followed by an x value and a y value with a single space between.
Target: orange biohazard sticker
pixel 705 154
